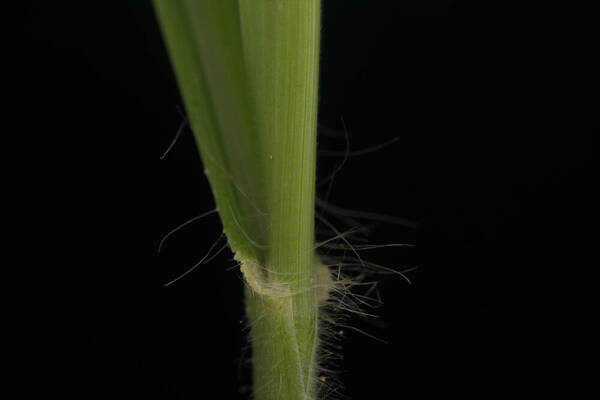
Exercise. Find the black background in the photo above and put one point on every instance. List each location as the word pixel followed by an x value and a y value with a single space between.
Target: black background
pixel 496 111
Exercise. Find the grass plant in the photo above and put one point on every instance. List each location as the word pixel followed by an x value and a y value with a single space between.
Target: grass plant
pixel 248 74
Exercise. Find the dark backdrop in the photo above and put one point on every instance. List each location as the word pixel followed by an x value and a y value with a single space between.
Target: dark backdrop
pixel 495 108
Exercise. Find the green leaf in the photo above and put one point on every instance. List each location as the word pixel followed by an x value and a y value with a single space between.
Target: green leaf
pixel 204 43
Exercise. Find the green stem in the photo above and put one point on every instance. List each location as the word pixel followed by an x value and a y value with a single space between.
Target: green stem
pixel 281 48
